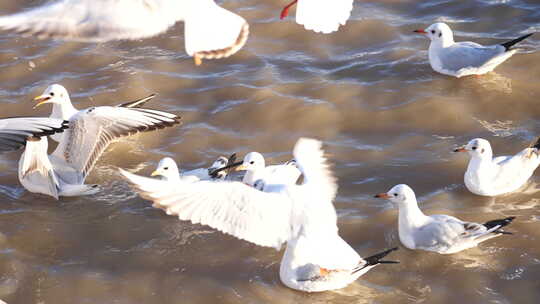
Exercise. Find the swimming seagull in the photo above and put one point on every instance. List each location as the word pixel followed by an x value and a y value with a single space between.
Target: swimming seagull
pixel 210 31
pixel 168 170
pixel 490 176
pixel 316 257
pixel 14 131
pixel 321 16
pixel 439 233
pixel 464 58
pixel 90 131
pixel 256 169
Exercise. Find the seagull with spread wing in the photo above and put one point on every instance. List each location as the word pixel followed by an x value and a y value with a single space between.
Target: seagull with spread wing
pixel 210 31
pixel 90 131
pixel 303 216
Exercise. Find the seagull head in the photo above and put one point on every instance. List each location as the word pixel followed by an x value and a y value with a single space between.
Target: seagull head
pixel 55 94
pixel 167 169
pixel 399 194
pixel 478 147
pixel 221 162
pixel 252 161
pixel 438 32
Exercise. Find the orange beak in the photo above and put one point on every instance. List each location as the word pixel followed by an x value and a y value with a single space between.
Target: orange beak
pixel 460 150
pixel 420 31
pixel 382 195
pixel 42 99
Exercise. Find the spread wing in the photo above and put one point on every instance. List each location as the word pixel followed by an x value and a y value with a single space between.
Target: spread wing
pixel 322 15
pixel 97 20
pixel 231 207
pixel 91 130
pixel 15 131
pixel 318 177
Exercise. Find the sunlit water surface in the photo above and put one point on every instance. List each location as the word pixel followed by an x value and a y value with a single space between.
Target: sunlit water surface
pixel 367 92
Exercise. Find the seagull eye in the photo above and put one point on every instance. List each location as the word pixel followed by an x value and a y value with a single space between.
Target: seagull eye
pixel 51 93
pixel 252 162
pixel 166 168
pixel 395 194
pixel 433 31
pixel 474 148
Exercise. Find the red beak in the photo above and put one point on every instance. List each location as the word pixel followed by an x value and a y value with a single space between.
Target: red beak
pixel 285 11
pixel 382 195
pixel 420 31
pixel 460 150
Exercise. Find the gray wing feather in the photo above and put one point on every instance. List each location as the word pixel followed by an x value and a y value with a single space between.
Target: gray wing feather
pixel 468 54
pixel 92 130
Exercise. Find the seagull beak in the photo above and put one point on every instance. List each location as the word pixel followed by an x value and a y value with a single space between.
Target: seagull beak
pixel 241 167
pixel 156 173
pixel 420 31
pixel 460 149
pixel 41 99
pixel 382 195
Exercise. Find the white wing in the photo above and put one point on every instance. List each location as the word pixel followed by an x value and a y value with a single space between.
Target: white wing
pixel 36 173
pixel 323 16
pixel 464 55
pixel 281 174
pixel 231 207
pixel 15 131
pixel 318 177
pixel 97 20
pixel 91 130
pixel 213 32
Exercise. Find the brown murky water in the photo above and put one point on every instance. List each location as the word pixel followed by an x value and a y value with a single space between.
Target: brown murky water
pixel 367 91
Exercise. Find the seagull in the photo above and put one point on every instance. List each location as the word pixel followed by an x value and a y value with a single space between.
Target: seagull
pixel 168 170
pixel 14 131
pixel 489 176
pixel 256 169
pixel 464 58
pixel 321 16
pixel 439 233
pixel 303 216
pixel 90 131
pixel 210 31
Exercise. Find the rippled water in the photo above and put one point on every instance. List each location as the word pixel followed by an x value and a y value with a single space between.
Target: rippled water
pixel 367 92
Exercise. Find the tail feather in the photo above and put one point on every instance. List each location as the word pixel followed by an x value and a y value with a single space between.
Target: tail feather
pixel 508 45
pixel 138 103
pixel 498 224
pixel 376 259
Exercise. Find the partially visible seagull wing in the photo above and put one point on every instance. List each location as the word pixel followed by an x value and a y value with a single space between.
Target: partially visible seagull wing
pixel 464 55
pixel 310 160
pixel 231 207
pixel 96 21
pixel 323 16
pixel 212 32
pixel 36 172
pixel 15 131
pixel 91 130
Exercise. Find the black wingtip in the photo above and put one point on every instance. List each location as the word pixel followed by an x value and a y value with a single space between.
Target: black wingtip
pixel 139 102
pixel 499 222
pixel 377 258
pixel 537 144
pixel 508 45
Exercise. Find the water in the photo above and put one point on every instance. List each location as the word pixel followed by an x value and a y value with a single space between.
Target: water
pixel 367 92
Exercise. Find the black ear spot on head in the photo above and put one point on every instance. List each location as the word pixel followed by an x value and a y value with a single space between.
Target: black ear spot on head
pixel 482 151
pixel 440 34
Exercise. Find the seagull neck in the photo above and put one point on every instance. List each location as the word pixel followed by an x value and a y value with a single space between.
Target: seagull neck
pixel 442 43
pixel 410 216
pixel 63 110
pixel 252 176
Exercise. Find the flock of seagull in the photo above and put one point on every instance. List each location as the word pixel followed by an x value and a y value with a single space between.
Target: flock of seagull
pixel 268 205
